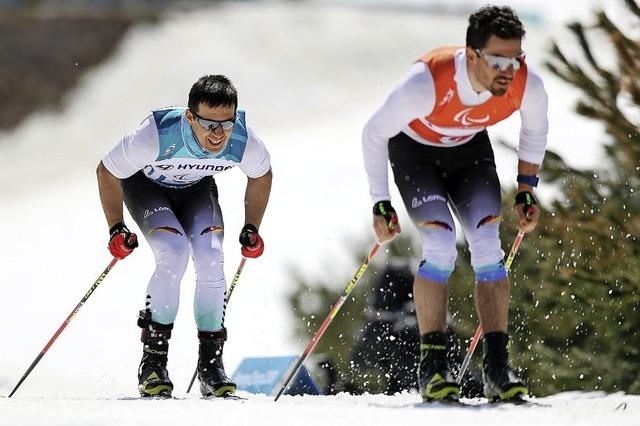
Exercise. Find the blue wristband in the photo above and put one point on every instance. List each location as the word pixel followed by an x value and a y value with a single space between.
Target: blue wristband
pixel 527 179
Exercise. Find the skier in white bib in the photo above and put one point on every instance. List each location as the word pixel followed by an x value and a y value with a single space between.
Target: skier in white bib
pixel 163 172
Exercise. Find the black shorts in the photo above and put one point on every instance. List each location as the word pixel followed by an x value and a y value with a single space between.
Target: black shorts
pixel 463 176
pixel 142 196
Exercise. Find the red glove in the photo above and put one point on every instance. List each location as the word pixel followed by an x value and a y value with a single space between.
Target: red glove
pixel 122 241
pixel 252 244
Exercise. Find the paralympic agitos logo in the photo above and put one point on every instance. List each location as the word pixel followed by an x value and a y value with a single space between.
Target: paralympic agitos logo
pixel 463 117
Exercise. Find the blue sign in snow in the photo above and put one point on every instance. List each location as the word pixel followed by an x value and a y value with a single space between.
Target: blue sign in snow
pixel 266 375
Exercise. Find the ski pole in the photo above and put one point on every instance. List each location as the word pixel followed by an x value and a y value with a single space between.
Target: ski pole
pixel 65 323
pixel 234 282
pixel 476 336
pixel 325 324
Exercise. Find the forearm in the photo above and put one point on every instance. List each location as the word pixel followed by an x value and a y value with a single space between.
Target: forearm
pixel 527 169
pixel 256 198
pixel 111 197
pixel 375 154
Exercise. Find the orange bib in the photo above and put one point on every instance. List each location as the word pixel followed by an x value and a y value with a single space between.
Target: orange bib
pixel 453 123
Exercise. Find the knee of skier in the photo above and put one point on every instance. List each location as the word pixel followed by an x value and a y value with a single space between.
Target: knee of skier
pixel 436 272
pixel 439 254
pixel 484 243
pixel 170 246
pixel 489 220
pixel 214 230
pixel 438 241
pixel 490 272
pixel 208 260
pixel 435 225
pixel 209 269
pixel 487 257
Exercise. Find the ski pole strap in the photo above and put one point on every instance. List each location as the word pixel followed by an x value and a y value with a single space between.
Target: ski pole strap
pixel 527 198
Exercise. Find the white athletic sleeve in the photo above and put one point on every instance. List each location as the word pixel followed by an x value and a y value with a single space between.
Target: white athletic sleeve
pixel 255 161
pixel 412 97
pixel 134 151
pixel 533 115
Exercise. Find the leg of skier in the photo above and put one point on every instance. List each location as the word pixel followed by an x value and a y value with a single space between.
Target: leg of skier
pixel 153 377
pixel 201 216
pixel 421 184
pixel 151 208
pixel 475 192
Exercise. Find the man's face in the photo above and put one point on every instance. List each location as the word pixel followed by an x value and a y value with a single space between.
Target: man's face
pixel 493 78
pixel 213 138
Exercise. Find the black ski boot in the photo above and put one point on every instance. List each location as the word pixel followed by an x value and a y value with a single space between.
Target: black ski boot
pixel 500 382
pixel 153 378
pixel 434 377
pixel 213 379
pixel 471 385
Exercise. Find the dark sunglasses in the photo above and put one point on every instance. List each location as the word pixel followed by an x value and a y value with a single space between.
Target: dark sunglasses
pixel 212 125
pixel 502 63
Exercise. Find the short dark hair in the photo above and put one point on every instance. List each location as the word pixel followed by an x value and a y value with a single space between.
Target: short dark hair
pixel 493 20
pixel 213 91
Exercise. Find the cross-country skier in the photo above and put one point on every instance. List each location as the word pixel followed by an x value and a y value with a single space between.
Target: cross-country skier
pixel 432 129
pixel 163 171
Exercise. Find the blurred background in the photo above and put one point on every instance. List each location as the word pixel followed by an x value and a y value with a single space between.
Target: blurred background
pixel 76 75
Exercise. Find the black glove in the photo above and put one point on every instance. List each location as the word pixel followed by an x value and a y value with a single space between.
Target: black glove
pixel 528 199
pixel 386 210
pixel 252 244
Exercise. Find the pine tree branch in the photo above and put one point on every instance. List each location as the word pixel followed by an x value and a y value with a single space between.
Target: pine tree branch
pixel 578 32
pixel 633 7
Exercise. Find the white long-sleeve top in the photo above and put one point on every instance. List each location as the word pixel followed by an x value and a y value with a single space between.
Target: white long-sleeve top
pixel 415 97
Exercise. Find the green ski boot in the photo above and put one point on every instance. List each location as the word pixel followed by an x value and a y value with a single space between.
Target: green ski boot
pixel 500 382
pixel 213 379
pixel 153 378
pixel 434 376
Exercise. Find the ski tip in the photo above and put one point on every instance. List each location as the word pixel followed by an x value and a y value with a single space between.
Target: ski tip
pixel 519 399
pixel 234 397
pixel 157 396
pixel 229 394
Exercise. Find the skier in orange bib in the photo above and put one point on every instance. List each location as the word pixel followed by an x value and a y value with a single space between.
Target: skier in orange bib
pixel 432 129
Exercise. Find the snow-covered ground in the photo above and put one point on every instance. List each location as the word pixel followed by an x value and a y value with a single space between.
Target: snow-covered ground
pixel 309 76
pixel 569 408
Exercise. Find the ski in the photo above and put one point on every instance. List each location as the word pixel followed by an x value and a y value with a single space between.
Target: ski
pixel 231 397
pixel 479 403
pixel 151 398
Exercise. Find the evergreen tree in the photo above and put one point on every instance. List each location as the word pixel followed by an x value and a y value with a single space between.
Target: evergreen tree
pixel 576 291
